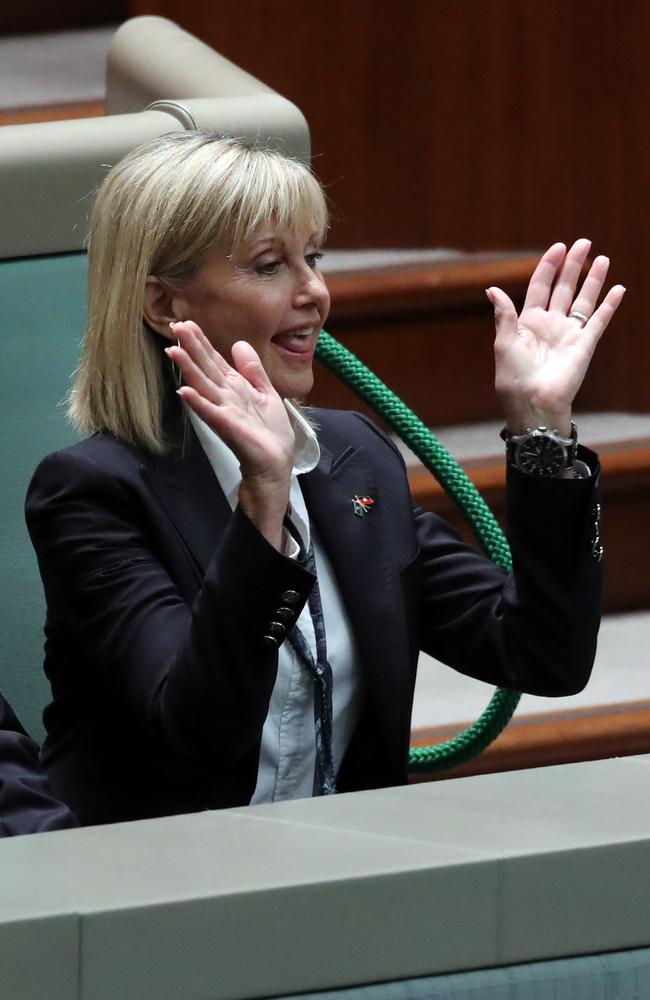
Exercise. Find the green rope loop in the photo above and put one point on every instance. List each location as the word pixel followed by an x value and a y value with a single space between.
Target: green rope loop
pixel 462 491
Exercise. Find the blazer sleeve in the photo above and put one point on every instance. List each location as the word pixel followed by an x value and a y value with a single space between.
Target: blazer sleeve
pixel 534 629
pixel 27 804
pixel 195 677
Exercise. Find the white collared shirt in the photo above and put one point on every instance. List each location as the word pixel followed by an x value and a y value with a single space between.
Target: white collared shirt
pixel 288 753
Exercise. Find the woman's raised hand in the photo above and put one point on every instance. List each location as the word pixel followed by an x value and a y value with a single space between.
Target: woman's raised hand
pixel 542 355
pixel 238 402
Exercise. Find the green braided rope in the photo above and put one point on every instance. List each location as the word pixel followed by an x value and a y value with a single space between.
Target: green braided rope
pixel 462 491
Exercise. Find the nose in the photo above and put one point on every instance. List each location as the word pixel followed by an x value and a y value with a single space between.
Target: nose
pixel 311 289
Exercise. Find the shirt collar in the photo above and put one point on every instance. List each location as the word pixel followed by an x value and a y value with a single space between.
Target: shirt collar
pixel 307 450
pixel 225 464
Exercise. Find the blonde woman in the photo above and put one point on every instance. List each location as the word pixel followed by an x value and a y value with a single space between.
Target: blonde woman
pixel 237 589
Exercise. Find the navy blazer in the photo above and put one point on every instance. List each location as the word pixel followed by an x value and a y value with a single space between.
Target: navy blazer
pixel 27 804
pixel 159 598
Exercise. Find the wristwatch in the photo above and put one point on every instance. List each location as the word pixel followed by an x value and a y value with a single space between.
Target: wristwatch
pixel 541 451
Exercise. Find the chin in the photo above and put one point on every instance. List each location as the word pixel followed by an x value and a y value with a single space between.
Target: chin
pixel 294 387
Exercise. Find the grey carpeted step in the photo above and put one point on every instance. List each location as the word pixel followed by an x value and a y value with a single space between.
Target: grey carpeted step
pixel 621 674
pixel 481 441
pixel 59 67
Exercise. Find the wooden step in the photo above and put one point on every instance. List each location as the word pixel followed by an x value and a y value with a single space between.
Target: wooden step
pixel 626 502
pixel 426 330
pixel 551 738
pixel 52 113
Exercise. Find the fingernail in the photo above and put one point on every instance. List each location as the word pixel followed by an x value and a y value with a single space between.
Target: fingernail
pixel 488 292
pixel 173 325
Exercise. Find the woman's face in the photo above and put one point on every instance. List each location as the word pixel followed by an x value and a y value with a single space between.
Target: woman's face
pixel 272 295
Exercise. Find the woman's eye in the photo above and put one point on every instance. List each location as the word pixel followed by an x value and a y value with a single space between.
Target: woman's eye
pixel 313 258
pixel 267 267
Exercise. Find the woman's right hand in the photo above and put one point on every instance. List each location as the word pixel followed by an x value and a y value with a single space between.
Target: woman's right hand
pixel 238 402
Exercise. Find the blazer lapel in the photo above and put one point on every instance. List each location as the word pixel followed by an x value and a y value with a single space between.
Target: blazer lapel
pixel 367 576
pixel 188 490
pixel 357 544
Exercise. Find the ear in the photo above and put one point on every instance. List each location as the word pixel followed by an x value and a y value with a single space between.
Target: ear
pixel 160 307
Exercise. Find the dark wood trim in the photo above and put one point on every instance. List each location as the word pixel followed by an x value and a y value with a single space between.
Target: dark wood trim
pixel 52 113
pixel 624 464
pixel 410 288
pixel 618 730
pixel 426 331
pixel 625 483
pixel 34 16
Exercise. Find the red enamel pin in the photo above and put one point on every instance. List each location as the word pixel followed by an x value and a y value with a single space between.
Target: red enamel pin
pixel 361 505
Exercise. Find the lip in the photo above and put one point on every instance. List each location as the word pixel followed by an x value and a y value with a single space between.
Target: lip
pixel 298 348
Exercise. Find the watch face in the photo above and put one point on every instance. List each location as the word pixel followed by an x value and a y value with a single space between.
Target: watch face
pixel 539 455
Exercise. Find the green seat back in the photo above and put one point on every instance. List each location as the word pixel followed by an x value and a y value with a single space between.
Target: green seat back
pixel 43 308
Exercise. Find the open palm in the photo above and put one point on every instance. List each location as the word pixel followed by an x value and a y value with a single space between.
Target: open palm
pixel 236 400
pixel 542 355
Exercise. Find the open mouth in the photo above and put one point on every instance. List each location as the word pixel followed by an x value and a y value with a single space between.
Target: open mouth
pixel 296 342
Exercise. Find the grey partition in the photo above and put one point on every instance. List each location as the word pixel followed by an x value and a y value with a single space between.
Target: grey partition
pixel 323 894
pixel 50 170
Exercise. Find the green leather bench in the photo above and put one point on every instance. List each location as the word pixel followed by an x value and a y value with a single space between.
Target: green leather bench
pixel 43 308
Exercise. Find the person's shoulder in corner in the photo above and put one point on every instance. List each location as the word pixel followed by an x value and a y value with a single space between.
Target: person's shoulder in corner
pixel 27 804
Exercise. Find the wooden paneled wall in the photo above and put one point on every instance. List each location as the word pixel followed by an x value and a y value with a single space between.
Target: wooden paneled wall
pixel 35 15
pixel 478 124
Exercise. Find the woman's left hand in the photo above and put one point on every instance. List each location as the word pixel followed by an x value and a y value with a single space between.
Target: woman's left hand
pixel 542 355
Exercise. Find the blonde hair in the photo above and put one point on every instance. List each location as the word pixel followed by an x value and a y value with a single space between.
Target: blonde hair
pixel 159 212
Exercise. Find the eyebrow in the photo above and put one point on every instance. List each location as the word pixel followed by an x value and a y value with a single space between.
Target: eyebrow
pixel 268 241
pixel 278 240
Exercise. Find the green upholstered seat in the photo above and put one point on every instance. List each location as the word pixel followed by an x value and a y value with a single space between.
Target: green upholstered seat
pixel 43 308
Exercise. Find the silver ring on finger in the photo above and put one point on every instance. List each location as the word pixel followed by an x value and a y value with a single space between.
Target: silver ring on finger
pixel 582 319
